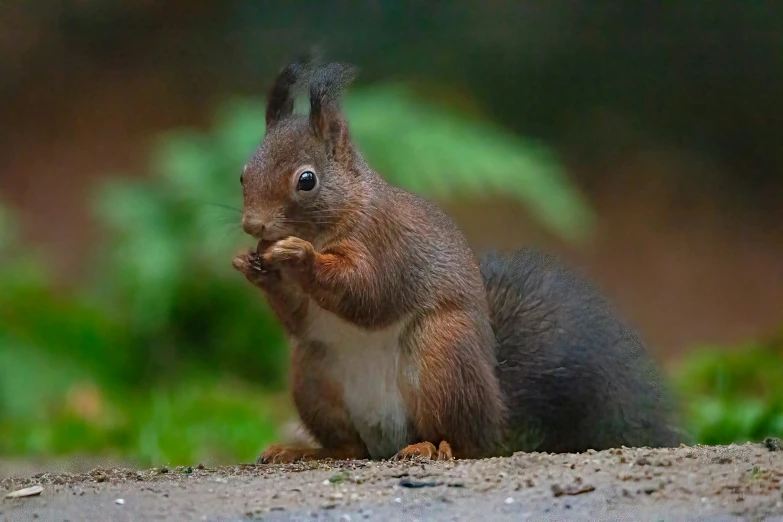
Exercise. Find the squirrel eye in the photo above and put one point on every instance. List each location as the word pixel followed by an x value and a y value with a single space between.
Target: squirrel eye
pixel 241 179
pixel 306 181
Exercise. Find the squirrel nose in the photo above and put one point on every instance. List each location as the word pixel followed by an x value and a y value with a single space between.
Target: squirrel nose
pixel 253 226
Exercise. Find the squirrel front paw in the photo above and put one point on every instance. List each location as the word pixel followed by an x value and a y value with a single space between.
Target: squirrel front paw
pixel 255 270
pixel 291 254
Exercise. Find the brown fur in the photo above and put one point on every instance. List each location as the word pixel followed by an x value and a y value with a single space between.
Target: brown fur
pixel 322 410
pixel 399 341
pixel 454 374
pixel 373 255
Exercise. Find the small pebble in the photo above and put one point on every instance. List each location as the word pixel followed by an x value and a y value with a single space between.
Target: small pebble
pixel 26 492
pixel 345 518
pixel 398 500
pixel 509 500
pixel 773 444
pixel 120 501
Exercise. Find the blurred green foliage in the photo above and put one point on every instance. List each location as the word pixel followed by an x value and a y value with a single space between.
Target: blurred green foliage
pixel 74 379
pixel 444 154
pixel 733 395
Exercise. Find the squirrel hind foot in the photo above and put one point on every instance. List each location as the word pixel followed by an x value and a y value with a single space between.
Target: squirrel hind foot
pixel 278 454
pixel 425 450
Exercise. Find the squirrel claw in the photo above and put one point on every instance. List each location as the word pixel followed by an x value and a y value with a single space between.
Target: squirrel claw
pixel 255 270
pixel 444 451
pixel 425 450
pixel 256 263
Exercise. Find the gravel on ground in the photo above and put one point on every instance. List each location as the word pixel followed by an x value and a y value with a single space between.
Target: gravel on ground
pixel 737 482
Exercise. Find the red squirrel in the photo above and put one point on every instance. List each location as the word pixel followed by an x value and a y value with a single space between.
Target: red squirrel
pixel 401 344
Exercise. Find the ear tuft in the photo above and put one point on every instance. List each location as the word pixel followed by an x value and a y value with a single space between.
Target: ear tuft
pixel 326 122
pixel 289 83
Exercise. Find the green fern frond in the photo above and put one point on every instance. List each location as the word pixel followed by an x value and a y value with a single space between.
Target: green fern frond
pixel 448 155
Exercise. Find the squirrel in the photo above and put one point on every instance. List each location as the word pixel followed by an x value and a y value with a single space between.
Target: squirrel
pixel 399 339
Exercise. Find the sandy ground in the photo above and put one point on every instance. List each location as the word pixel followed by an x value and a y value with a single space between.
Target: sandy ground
pixel 688 483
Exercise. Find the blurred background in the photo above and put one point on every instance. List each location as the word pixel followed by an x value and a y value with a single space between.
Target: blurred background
pixel 638 141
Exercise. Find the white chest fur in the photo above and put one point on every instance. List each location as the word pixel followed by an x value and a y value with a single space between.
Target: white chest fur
pixel 368 365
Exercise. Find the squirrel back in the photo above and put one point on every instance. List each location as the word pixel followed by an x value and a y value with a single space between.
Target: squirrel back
pixel 574 375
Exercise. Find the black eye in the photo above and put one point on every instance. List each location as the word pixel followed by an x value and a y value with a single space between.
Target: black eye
pixel 306 181
pixel 242 179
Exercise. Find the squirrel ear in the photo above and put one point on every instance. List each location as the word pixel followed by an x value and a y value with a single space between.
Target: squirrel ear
pixel 280 102
pixel 326 121
pixel 327 124
pixel 289 83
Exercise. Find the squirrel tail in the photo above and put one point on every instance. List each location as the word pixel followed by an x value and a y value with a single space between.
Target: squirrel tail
pixel 575 376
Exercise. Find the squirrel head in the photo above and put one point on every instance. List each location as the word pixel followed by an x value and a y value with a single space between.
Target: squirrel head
pixel 303 176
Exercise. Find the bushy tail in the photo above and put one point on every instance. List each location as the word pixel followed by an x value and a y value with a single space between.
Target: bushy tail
pixel 570 368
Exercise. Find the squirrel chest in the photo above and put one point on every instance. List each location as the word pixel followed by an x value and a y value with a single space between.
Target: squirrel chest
pixel 369 366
